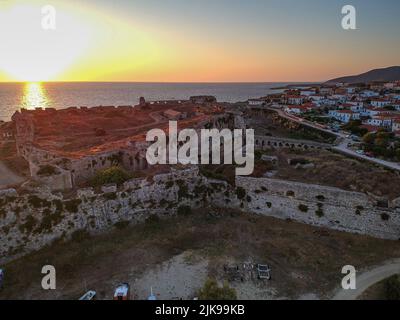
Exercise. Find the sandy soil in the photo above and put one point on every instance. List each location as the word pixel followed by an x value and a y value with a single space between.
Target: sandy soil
pixel 178 278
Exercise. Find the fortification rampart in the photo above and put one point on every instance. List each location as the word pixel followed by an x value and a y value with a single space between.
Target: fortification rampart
pixel 320 206
pixel 29 222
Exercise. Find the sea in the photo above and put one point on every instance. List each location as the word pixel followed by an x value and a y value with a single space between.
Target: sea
pixel 14 96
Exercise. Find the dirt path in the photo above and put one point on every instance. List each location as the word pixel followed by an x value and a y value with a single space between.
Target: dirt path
pixel 369 278
pixel 7 177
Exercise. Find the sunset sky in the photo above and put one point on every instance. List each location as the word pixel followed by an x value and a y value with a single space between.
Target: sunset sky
pixel 195 40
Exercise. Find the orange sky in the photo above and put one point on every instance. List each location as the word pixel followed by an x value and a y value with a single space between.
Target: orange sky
pixel 132 42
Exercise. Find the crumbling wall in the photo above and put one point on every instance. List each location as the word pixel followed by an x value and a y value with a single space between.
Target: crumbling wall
pixel 320 206
pixel 29 222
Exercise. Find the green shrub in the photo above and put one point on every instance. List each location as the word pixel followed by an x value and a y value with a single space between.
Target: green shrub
pixel 110 196
pixel 80 235
pixel 153 219
pixel 392 288
pixel 319 213
pixel 37 202
pixel 211 291
pixel 73 205
pixel 240 193
pixel 303 208
pixel 111 175
pixel 59 205
pixel 169 185
pixel 47 170
pixel 121 224
pixel 3 213
pixel 184 210
pixel 183 191
pixel 48 222
pixel 212 174
pixel 30 223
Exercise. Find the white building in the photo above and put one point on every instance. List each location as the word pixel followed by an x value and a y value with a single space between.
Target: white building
pixel 295 100
pixel 326 90
pixel 297 109
pixel 340 97
pixel 351 89
pixel 371 111
pixel 396 125
pixel 356 103
pixel 317 97
pixel 379 103
pixel 307 92
pixel 255 102
pixel 344 115
pixel 369 94
pixel 396 105
pixel 380 121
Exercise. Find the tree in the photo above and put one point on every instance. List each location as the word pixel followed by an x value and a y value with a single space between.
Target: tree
pixel 392 288
pixel 115 175
pixel 398 154
pixel 369 138
pixel 211 291
pixel 381 142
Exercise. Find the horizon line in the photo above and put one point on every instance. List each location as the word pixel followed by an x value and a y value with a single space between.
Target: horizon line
pixel 169 82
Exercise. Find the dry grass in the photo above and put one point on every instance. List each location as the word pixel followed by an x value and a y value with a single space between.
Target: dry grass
pixel 303 258
pixel 335 170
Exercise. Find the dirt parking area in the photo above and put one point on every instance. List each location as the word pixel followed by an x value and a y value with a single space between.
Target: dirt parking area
pixel 175 255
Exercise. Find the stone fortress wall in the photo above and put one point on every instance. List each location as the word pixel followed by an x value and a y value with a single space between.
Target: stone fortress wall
pixel 321 206
pixel 267 142
pixel 70 172
pixel 29 222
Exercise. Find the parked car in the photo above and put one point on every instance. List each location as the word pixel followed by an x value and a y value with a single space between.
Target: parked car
pixel 355 138
pixel 122 292
pixel 90 295
pixel 264 271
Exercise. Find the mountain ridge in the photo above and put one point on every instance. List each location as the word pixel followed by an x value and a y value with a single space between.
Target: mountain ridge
pixel 382 74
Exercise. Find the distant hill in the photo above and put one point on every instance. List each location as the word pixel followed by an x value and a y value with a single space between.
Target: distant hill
pixel 385 74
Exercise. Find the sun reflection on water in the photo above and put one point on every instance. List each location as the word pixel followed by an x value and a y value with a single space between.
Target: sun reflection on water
pixel 34 96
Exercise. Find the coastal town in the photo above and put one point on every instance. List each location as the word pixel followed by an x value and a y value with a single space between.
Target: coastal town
pixel 365 116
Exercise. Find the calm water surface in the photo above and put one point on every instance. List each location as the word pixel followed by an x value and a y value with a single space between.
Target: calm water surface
pixel 14 96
